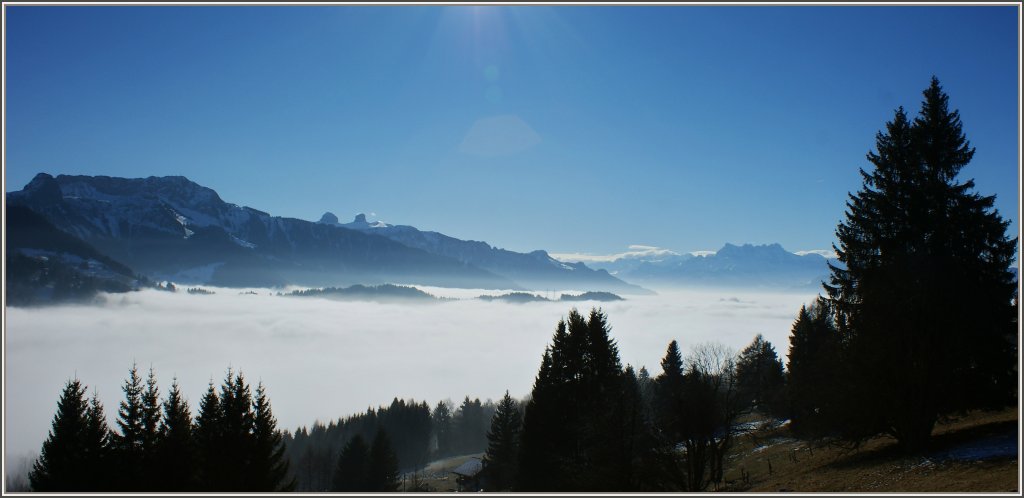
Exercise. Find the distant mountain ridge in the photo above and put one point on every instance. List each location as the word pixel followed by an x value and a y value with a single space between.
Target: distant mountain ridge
pixel 747 265
pixel 533 270
pixel 173 228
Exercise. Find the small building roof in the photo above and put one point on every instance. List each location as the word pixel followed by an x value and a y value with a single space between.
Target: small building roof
pixel 470 468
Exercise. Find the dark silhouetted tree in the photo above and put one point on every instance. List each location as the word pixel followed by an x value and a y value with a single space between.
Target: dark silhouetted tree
pixel 268 466
pixel 578 427
pixel 668 405
pixel 922 288
pixel 208 433
pixel 814 368
pixel 150 434
pixel 176 450
pixel 382 468
pixel 351 473
pixel 132 435
pixel 74 455
pixel 470 427
pixel 760 378
pixel 501 461
pixel 239 446
pixel 441 420
pixel 236 432
pixel 98 447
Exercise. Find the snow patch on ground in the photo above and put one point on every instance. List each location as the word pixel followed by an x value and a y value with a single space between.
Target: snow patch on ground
pixel 243 243
pixel 997 446
pixel 183 221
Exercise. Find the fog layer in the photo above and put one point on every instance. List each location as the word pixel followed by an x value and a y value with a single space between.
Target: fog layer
pixel 322 359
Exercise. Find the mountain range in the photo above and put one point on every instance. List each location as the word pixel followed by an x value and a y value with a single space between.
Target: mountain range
pixel 170 228
pixel 533 270
pixel 67 235
pixel 749 266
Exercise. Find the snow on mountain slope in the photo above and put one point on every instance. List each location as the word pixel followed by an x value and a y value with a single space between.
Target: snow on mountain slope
pixel 166 225
pixel 534 270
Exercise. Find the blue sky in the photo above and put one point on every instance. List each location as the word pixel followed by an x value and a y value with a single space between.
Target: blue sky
pixel 572 129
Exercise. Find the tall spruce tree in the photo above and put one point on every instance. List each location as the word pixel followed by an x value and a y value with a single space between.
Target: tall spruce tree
pixel 574 424
pixel 760 377
pixel 542 438
pixel 441 424
pixel 668 405
pixel 128 442
pixel 269 467
pixel 923 288
pixel 470 426
pixel 236 432
pixel 150 434
pixel 98 444
pixel 815 369
pixel 350 474
pixel 208 433
pixel 382 467
pixel 176 450
pixel 73 455
pixel 501 461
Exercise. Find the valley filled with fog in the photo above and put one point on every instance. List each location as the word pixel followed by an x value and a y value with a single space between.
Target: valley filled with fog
pixel 321 359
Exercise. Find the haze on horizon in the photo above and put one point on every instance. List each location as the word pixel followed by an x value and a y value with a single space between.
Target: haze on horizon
pixel 578 130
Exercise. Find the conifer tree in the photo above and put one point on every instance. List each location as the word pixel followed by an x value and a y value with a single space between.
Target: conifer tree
pixel 176 450
pixel 75 447
pixel 208 433
pixel 236 431
pixel 441 423
pixel 98 444
pixel 578 402
pixel 760 377
pixel 269 467
pixel 470 426
pixel 668 406
pixel 382 468
pixel 128 442
pixel 501 461
pixel 350 475
pixel 922 288
pixel 150 433
pixel 542 437
pixel 814 368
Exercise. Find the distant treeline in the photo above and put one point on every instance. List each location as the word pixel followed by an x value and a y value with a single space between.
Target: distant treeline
pixel 417 434
pixel 370 292
pixel 406 293
pixel 526 297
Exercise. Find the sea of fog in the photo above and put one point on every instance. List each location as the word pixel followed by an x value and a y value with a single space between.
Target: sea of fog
pixel 321 359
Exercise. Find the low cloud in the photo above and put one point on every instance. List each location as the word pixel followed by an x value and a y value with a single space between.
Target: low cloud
pixel 825 253
pixel 635 251
pixel 323 359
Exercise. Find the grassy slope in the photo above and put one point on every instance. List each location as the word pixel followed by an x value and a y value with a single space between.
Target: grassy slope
pixel 876 466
